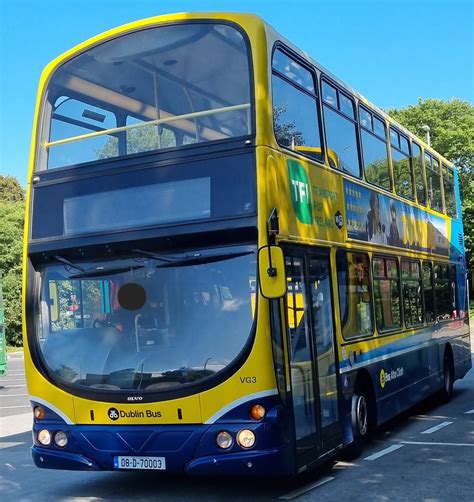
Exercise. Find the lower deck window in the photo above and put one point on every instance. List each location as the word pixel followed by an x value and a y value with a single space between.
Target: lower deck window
pixel 387 294
pixel 355 299
pixel 428 292
pixel 445 292
pixel 412 293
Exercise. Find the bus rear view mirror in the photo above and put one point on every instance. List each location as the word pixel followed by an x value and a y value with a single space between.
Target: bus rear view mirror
pixel 271 272
pixel 53 302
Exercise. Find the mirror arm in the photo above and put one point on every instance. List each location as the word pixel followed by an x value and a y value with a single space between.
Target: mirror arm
pixel 273 229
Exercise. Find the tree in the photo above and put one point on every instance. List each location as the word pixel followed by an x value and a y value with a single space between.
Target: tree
pixel 10 189
pixel 11 250
pixel 451 126
pixel 285 129
pixel 141 139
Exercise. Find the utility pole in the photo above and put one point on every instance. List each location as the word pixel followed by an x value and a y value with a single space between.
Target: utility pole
pixel 427 130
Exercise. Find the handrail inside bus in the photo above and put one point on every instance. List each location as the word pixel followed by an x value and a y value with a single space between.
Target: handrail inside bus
pixel 171 118
pixel 133 105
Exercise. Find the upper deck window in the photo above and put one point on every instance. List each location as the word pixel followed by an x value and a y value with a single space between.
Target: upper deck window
pixel 433 179
pixel 148 90
pixel 449 195
pixel 419 173
pixel 295 109
pixel 293 71
pixel 402 173
pixel 340 127
pixel 374 149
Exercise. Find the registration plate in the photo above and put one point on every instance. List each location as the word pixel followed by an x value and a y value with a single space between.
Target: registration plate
pixel 145 463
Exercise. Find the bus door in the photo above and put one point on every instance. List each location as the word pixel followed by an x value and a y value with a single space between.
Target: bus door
pixel 312 354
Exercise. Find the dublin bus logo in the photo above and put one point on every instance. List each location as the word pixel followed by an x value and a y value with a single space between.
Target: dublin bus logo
pixel 113 414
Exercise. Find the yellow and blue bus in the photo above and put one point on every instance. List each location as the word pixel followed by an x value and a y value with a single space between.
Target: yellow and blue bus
pixel 234 263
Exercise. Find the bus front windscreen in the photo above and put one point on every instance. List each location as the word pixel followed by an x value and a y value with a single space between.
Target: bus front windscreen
pixel 158 88
pixel 147 323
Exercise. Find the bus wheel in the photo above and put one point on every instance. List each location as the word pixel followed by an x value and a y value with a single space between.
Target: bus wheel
pixel 360 425
pixel 448 377
pixel 360 416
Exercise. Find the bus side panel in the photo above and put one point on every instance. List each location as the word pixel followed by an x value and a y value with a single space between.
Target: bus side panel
pixel 401 381
pixel 462 356
pixel 408 369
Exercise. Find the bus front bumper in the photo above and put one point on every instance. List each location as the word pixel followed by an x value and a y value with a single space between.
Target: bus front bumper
pixel 273 462
pixel 186 449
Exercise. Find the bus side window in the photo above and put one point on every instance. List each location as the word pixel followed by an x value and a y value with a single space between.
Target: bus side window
pixel 355 298
pixel 295 108
pixel 443 291
pixel 387 294
pixel 341 130
pixel 402 173
pixel 433 180
pixel 419 174
pixel 449 194
pixel 454 299
pixel 412 298
pixel 428 292
pixel 374 149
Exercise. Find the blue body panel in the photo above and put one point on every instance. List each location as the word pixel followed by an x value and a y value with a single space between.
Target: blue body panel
pixel 407 370
pixel 190 449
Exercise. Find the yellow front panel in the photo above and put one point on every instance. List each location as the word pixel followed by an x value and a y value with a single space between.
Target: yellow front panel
pixel 39 387
pixel 255 376
pixel 164 412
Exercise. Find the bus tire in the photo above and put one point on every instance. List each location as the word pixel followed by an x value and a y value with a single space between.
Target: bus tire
pixel 362 421
pixel 446 393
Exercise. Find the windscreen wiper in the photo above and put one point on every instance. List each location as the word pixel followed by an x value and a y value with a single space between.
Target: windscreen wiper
pixel 101 271
pixel 61 259
pixel 198 258
pixel 148 254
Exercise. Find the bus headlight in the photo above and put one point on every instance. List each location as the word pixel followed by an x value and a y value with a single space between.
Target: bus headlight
pixel 60 439
pixel 44 437
pixel 224 440
pixel 246 438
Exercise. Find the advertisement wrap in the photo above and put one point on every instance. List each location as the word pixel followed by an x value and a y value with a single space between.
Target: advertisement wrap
pixel 380 219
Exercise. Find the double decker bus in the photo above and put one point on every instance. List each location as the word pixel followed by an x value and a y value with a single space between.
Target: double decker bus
pixel 234 263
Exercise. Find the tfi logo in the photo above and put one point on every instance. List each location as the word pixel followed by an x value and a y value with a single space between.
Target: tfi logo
pixel 300 191
pixel 113 414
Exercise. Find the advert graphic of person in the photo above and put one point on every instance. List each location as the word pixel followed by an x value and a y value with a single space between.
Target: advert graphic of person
pixel 394 235
pixel 375 229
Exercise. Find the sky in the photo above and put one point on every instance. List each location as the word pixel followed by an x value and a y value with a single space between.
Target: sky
pixel 392 52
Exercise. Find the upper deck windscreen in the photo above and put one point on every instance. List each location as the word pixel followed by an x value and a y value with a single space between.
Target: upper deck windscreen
pixel 163 87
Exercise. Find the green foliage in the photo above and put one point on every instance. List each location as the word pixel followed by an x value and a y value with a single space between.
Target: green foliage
pixel 12 209
pixel 142 139
pixel 452 135
pixel 377 172
pixel 285 131
pixel 11 190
